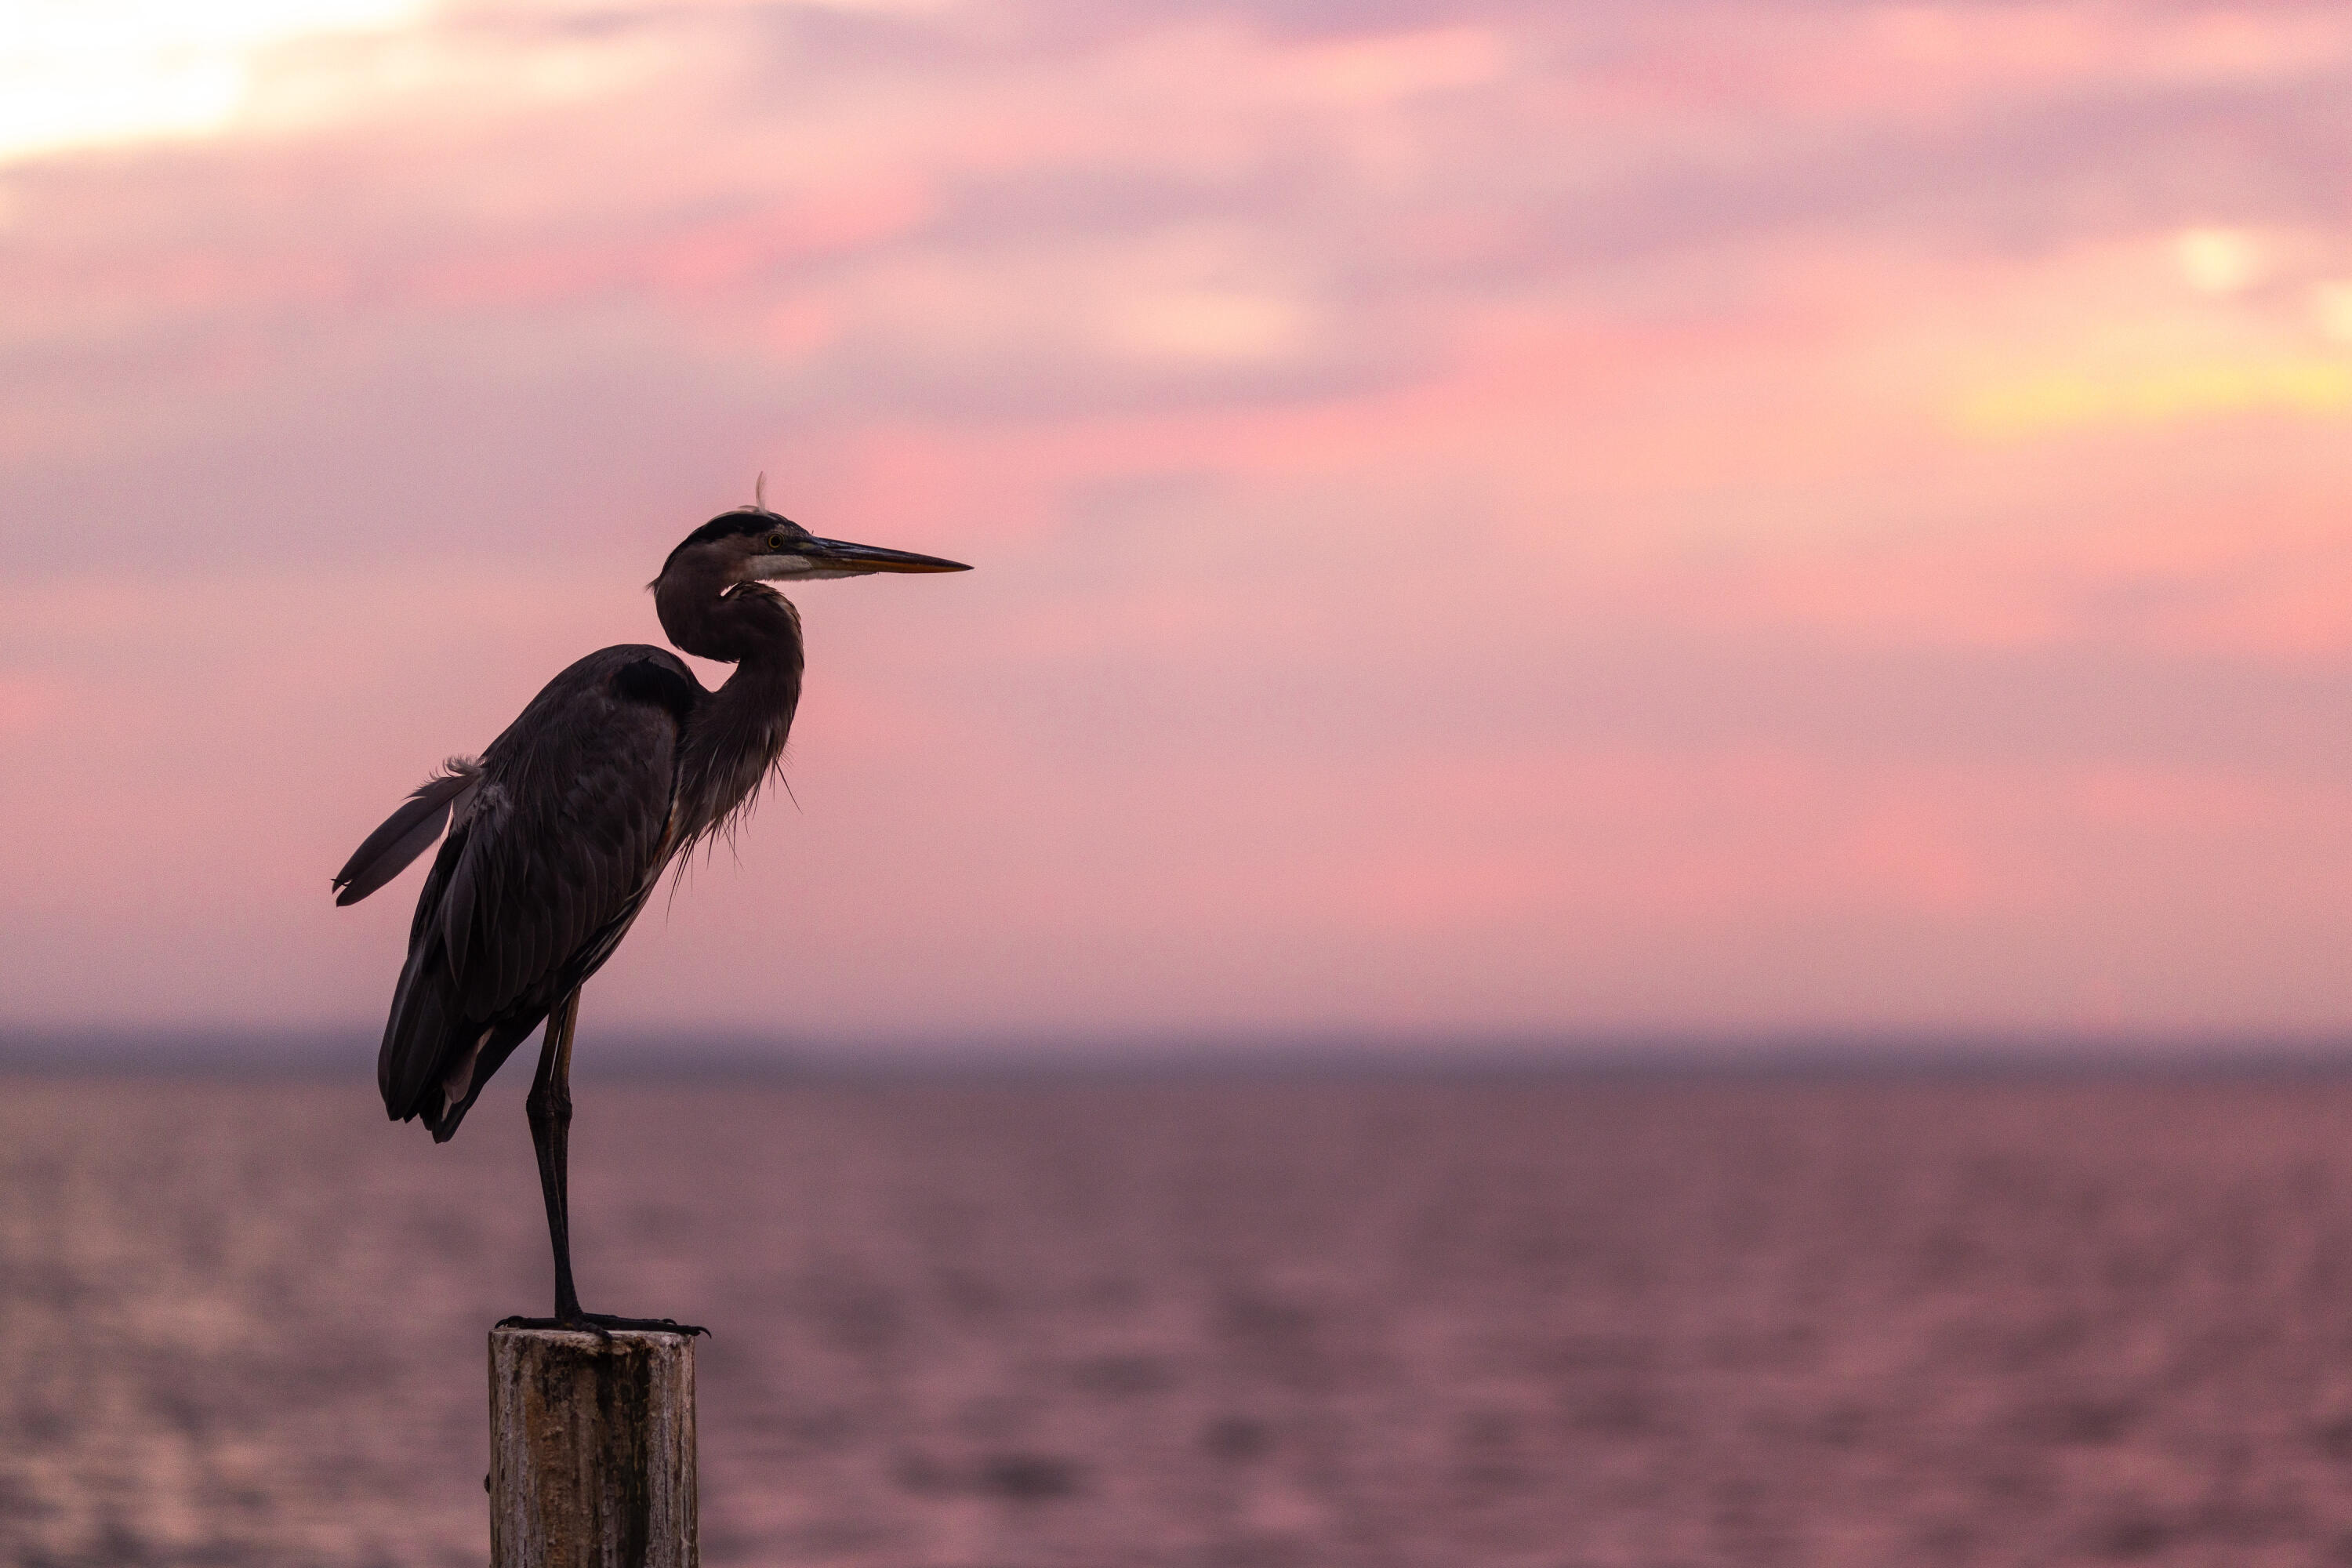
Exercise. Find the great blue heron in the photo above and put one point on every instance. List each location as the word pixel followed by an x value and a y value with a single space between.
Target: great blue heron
pixel 560 831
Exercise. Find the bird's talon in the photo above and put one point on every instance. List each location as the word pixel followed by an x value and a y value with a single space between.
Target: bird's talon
pixel 603 1324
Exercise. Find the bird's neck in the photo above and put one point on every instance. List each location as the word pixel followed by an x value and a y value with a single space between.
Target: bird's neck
pixel 737 733
pixel 746 623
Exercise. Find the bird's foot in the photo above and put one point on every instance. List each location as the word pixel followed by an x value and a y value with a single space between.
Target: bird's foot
pixel 605 1323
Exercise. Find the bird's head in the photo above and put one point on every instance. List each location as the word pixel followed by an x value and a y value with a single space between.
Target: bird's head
pixel 712 594
pixel 753 544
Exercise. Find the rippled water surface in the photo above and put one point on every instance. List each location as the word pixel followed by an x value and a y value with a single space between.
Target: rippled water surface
pixel 1554 1323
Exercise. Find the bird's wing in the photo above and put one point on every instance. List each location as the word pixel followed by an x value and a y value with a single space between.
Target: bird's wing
pixel 567 832
pixel 408 832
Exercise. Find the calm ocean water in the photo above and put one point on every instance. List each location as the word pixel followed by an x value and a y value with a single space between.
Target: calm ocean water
pixel 1556 1324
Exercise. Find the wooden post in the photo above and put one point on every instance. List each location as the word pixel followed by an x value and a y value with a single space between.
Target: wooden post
pixel 592 1449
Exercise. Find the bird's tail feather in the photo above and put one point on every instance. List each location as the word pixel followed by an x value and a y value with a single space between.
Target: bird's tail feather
pixel 434 1062
pixel 424 1018
pixel 496 1049
pixel 408 832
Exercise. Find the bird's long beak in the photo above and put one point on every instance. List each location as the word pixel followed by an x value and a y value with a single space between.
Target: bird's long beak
pixel 840 554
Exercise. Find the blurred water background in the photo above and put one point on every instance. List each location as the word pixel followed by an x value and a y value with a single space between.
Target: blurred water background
pixel 1559 1322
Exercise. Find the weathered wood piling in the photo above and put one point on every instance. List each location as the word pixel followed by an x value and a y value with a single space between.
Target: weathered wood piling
pixel 592 1449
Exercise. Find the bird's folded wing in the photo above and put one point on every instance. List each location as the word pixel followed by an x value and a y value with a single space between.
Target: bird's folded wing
pixel 566 837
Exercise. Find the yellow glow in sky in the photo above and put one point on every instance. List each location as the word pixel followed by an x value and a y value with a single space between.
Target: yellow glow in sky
pixel 2177 391
pixel 88 72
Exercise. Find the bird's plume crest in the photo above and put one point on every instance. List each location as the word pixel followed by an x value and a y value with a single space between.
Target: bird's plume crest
pixel 758 507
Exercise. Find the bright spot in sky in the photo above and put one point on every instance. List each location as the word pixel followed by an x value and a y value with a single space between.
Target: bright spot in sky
pixel 86 72
pixel 2332 303
pixel 1210 325
pixel 2218 260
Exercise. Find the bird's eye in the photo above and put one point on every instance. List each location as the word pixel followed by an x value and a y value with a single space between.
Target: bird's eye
pixel 778 539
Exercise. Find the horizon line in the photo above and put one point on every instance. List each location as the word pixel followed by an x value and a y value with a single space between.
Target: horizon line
pixel 336 1052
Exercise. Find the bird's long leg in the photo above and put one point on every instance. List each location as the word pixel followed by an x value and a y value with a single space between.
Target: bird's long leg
pixel 550 1108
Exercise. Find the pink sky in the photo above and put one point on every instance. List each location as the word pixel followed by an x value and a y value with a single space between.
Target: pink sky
pixel 1490 519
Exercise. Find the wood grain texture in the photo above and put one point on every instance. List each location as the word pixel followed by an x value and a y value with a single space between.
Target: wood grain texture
pixel 592 1449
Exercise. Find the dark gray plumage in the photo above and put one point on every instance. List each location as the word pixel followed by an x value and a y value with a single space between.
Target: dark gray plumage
pixel 558 836
pixel 566 833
